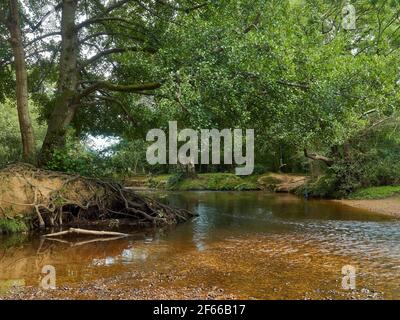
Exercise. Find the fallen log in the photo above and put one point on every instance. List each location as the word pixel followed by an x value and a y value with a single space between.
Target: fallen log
pixel 86 232
pixel 81 243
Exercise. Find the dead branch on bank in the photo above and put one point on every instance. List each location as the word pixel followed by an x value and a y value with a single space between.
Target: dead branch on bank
pixel 86 232
pixel 81 243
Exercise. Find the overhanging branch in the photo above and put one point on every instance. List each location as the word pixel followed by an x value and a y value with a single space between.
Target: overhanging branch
pixel 133 88
pixel 183 9
pixel 301 86
pixel 328 161
pixel 111 34
pixel 100 20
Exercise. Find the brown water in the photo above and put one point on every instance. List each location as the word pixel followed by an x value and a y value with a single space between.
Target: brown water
pixel 242 245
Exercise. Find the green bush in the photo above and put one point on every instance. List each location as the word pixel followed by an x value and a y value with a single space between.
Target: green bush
pixel 322 187
pixel 260 169
pixel 75 158
pixel 370 161
pixel 8 225
pixel 174 180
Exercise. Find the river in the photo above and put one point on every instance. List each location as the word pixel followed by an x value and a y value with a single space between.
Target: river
pixel 246 245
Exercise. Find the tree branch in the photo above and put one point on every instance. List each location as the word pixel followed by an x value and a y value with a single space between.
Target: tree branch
pixel 374 125
pixel 114 6
pixel 301 86
pixel 366 113
pixel 253 24
pixel 112 51
pixel 100 17
pixel 105 33
pixel 37 25
pixel 101 20
pixel 186 10
pixel 328 161
pixel 44 36
pixel 133 88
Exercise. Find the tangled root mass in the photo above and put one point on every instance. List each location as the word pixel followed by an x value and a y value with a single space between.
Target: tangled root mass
pixel 55 199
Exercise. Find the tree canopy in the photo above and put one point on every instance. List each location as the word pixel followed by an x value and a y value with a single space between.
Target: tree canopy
pixel 291 70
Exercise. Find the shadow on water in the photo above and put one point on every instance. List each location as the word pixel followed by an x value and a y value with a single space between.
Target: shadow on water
pixel 251 244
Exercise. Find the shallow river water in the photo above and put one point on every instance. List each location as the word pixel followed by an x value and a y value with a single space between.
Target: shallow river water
pixel 250 245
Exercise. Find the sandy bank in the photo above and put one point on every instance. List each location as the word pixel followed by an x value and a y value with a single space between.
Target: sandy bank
pixel 388 206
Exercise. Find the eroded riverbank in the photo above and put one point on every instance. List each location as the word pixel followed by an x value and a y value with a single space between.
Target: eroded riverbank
pixel 242 246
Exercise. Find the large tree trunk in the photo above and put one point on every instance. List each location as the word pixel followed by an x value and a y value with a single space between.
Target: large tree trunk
pixel 66 104
pixel 27 133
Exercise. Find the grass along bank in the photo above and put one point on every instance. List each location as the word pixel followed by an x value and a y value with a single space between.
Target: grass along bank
pixel 219 182
pixel 375 193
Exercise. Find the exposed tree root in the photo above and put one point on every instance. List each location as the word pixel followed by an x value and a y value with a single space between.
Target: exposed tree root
pixel 55 199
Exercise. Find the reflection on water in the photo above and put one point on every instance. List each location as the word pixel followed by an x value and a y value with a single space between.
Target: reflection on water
pixel 251 244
